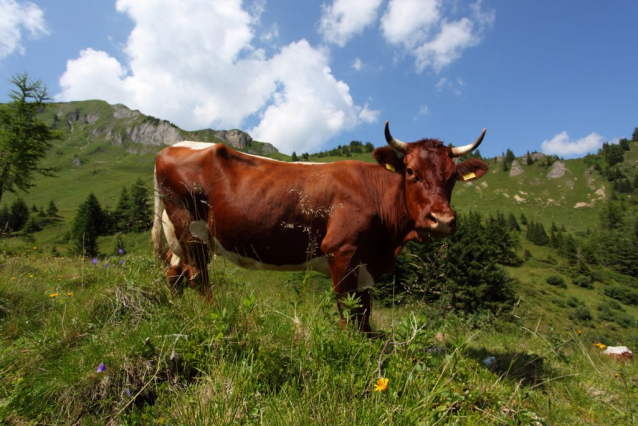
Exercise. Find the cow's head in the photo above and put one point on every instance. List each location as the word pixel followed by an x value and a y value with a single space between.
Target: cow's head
pixel 429 174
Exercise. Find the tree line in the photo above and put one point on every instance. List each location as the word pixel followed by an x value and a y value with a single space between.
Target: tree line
pixel 132 214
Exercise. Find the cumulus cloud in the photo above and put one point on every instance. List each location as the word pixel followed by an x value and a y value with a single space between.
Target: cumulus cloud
pixel 563 146
pixel 345 18
pixel 194 63
pixel 431 37
pixel 16 18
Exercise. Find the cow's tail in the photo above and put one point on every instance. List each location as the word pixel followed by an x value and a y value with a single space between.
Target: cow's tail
pixel 156 233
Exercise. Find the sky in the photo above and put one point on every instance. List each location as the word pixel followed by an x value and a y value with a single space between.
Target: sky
pixel 559 77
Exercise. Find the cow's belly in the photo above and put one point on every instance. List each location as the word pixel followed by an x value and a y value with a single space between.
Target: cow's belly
pixel 199 229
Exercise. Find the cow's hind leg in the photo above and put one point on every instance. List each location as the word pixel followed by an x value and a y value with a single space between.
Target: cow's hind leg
pixel 199 257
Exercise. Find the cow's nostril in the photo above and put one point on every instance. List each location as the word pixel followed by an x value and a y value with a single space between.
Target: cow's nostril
pixel 432 218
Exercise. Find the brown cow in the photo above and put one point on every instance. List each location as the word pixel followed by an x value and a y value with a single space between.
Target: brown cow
pixel 347 219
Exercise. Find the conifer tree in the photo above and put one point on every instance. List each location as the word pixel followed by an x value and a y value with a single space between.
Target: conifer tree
pixel 473 280
pixel 24 139
pixel 294 157
pixel 87 226
pixel 52 210
pixel 19 215
pixel 512 223
pixel 140 207
pixel 121 216
pixel 4 219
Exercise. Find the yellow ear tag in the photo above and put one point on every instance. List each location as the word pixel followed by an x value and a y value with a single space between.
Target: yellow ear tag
pixel 469 176
pixel 390 167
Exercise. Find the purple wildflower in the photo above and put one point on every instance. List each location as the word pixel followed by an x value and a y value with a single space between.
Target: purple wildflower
pixel 122 262
pixel 106 265
pixel 95 260
pixel 128 392
pixel 101 368
pixel 121 251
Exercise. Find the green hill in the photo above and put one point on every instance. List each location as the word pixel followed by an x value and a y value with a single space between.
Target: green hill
pixel 267 350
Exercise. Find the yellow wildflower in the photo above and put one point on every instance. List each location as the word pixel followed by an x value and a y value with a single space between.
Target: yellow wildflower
pixel 616 375
pixel 600 345
pixel 53 295
pixel 381 385
pixel 580 332
pixel 35 248
pixel 69 293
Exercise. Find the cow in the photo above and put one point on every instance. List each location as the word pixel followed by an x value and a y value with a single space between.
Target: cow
pixel 347 219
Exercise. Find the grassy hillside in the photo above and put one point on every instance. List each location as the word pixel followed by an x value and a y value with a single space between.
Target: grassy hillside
pixel 269 351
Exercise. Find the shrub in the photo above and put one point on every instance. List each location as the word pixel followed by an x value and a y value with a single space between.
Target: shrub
pixel 556 280
pixel 624 294
pixel 583 281
pixel 581 313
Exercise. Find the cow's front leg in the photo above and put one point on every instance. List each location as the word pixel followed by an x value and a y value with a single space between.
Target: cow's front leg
pixel 345 275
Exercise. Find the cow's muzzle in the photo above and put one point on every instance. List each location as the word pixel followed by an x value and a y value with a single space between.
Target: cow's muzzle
pixel 441 224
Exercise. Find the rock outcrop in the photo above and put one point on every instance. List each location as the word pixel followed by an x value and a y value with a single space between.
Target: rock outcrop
pixel 558 170
pixel 516 169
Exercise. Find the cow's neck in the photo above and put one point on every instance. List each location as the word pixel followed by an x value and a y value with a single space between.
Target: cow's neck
pixel 394 211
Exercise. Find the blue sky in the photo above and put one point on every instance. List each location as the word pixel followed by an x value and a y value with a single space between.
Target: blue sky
pixel 558 77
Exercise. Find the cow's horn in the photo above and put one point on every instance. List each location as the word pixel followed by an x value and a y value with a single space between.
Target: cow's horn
pixel 462 150
pixel 394 143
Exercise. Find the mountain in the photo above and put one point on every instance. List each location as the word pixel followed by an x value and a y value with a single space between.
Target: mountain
pixel 105 147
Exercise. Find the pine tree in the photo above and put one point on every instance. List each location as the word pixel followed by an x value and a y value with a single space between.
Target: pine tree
pixel 19 215
pixel 24 139
pixel 140 207
pixel 4 219
pixel 52 210
pixel 512 223
pixel 473 279
pixel 294 156
pixel 509 156
pixel 121 216
pixel 87 226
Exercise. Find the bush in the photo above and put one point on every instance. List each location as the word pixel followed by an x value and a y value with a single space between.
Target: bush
pixel 581 313
pixel 583 281
pixel 556 280
pixel 624 294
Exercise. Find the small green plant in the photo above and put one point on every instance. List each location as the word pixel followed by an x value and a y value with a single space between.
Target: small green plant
pixel 556 281
pixel 583 281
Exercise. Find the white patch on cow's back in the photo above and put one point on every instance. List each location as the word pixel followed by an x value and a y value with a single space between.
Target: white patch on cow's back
pixel 204 145
pixel 193 145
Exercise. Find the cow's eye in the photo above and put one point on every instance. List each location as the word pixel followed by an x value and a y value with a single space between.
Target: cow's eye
pixel 410 173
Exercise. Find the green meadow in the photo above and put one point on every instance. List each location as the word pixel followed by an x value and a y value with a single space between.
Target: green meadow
pixel 102 341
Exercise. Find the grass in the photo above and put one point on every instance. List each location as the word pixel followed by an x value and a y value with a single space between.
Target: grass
pixel 268 350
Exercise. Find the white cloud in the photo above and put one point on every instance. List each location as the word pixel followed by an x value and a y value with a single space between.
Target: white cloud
pixel 345 18
pixel 453 85
pixel 408 22
pixel 423 110
pixel 357 64
pixel 15 18
pixel 433 39
pixel 193 63
pixel 563 146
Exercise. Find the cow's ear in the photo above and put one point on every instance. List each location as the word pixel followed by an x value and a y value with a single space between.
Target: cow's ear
pixel 470 169
pixel 387 157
